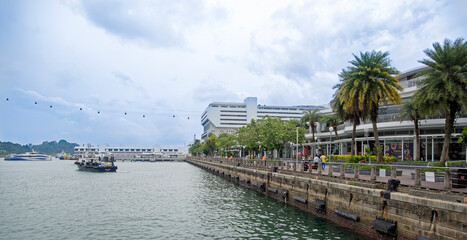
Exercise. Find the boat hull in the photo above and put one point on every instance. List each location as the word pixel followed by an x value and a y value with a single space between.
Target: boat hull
pixel 97 169
pixel 27 159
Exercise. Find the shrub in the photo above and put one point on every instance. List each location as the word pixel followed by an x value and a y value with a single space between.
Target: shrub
pixel 358 158
pixel 367 167
pixel 340 157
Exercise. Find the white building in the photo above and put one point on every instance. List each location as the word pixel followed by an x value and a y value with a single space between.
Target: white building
pixel 397 137
pixel 227 117
pixel 127 153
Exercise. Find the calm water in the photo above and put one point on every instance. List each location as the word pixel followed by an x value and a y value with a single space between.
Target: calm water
pixel 52 200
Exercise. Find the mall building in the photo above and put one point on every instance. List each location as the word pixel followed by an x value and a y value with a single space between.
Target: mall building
pixel 397 137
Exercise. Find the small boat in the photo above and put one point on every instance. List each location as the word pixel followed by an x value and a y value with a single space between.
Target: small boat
pixel 96 165
pixel 29 156
pixel 64 156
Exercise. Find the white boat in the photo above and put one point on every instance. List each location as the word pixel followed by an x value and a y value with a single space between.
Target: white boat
pixel 29 156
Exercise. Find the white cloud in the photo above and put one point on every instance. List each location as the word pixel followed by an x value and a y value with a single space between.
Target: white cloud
pixel 161 58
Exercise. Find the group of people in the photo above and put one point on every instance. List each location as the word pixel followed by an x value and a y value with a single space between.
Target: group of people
pixel 321 159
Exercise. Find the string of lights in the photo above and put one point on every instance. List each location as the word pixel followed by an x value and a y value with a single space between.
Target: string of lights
pixel 161 112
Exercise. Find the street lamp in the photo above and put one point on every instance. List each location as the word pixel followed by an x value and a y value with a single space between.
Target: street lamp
pixel 330 142
pixel 296 155
pixel 315 150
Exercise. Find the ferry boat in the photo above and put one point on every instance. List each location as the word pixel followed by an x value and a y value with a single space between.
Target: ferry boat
pixel 29 156
pixel 104 164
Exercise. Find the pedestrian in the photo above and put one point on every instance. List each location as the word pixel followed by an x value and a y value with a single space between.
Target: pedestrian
pixel 323 160
pixel 315 161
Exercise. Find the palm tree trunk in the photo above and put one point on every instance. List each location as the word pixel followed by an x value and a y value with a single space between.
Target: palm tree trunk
pixel 378 146
pixel 450 117
pixel 352 146
pixel 335 131
pixel 417 139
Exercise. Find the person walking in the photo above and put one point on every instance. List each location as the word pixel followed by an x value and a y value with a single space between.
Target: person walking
pixel 323 160
pixel 315 161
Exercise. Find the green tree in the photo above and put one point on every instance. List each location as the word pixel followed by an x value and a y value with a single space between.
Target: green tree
pixel 352 114
pixel 210 145
pixel 226 141
pixel 444 85
pixel 274 133
pixel 410 111
pixel 248 136
pixel 463 136
pixel 197 148
pixel 312 116
pixel 332 120
pixel 297 123
pixel 370 81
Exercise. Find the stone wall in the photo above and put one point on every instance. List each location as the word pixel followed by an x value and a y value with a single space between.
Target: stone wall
pixel 353 205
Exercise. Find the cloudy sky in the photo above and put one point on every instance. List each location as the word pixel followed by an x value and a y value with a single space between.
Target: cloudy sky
pixel 172 58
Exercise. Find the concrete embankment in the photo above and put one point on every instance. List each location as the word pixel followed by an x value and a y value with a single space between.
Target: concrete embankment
pixel 364 207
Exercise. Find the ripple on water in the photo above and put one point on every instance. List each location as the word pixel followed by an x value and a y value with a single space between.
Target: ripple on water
pixel 51 200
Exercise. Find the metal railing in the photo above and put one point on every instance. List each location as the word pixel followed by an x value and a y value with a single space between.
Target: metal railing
pixel 413 175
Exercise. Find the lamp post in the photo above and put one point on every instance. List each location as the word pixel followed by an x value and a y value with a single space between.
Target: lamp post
pixel 296 154
pixel 330 142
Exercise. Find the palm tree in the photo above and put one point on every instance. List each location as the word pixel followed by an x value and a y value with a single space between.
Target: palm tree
pixel 370 81
pixel 312 116
pixel 332 120
pixel 445 84
pixel 352 115
pixel 411 111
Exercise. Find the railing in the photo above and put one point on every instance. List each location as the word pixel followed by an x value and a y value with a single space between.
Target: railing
pixel 413 175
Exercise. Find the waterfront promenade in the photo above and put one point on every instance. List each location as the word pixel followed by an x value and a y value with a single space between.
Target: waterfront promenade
pixel 358 198
pixel 406 173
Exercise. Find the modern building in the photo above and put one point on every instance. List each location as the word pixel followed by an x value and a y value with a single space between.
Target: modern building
pixel 227 117
pixel 397 137
pixel 130 153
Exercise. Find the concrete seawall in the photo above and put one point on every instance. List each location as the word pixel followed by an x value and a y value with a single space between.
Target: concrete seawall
pixel 364 207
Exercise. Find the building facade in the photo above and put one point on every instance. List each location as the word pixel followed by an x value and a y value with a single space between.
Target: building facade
pixel 130 153
pixel 227 117
pixel 397 137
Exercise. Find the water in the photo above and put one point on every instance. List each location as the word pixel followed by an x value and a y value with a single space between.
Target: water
pixel 52 200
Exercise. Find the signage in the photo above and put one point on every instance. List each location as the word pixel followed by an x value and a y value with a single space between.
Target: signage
pixel 430 176
pixel 382 172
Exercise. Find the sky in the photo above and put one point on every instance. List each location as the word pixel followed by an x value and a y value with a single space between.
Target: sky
pixel 71 69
